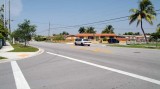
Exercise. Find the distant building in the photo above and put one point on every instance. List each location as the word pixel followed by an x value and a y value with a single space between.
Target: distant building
pixel 96 37
pixel 70 37
pixel 136 38
pixel 102 38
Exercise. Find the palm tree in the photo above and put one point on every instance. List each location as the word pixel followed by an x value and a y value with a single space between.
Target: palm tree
pixel 64 33
pixel 108 29
pixel 82 30
pixel 145 11
pixel 90 30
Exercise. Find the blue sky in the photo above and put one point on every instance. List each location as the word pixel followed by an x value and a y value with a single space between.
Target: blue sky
pixel 61 13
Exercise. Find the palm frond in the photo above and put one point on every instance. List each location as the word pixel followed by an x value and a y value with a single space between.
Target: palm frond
pixel 134 10
pixel 158 29
pixel 148 18
pixel 144 4
pixel 133 18
pixel 138 22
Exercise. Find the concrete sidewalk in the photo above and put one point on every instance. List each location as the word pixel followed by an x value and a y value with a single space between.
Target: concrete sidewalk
pixel 15 55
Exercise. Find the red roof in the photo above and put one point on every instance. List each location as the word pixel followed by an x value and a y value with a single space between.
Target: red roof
pixel 122 39
pixel 86 34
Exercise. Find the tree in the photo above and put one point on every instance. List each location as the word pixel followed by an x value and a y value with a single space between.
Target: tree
pixel 64 33
pixel 145 11
pixel 25 31
pixel 158 28
pixel 58 38
pixel 155 36
pixel 82 30
pixel 3 29
pixel 2 16
pixel 90 30
pixel 40 38
pixel 158 25
pixel 108 29
pixel 137 33
pixel 131 33
pixel 2 12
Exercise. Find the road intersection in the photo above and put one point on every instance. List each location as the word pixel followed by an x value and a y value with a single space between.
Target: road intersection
pixel 65 66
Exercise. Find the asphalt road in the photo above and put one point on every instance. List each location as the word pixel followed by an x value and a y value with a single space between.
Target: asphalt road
pixel 65 66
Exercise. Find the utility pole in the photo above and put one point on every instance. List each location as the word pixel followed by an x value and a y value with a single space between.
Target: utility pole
pixel 9 16
pixel 4 18
pixel 49 31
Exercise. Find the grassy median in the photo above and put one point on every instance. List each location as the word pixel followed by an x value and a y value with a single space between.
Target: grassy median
pixel 2 58
pixel 22 48
pixel 149 46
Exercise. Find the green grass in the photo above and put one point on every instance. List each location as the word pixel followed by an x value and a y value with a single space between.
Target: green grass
pixel 2 58
pixel 22 48
pixel 149 46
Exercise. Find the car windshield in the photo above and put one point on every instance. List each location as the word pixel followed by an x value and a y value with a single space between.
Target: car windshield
pixel 85 39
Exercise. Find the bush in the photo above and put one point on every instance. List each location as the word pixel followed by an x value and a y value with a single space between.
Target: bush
pixel 104 39
pixel 3 40
pixel 1 36
pixel 59 38
pixel 40 38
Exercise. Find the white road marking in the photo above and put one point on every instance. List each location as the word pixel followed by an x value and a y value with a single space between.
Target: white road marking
pixel 111 69
pixel 20 81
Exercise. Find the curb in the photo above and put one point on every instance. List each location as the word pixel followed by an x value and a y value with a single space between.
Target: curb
pixel 40 51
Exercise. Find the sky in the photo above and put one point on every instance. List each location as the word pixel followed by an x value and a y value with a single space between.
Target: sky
pixel 64 13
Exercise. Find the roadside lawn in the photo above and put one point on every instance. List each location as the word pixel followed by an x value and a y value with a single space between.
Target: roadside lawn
pixel 2 58
pixel 22 48
pixel 149 46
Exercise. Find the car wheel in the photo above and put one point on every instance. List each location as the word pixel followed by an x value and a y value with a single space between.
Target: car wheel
pixel 75 43
pixel 82 44
pixel 88 45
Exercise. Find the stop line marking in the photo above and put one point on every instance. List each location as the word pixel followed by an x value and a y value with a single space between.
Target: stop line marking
pixel 111 69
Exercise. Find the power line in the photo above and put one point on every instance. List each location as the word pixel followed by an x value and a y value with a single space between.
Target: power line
pixel 92 23
pixel 97 22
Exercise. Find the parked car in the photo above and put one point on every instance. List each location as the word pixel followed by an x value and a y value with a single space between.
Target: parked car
pixel 82 42
pixel 113 41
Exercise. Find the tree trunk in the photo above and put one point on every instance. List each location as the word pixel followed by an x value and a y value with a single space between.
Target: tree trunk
pixel 157 43
pixel 144 32
pixel 25 43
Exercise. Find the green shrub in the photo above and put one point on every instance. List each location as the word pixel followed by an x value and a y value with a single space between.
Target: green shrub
pixel 59 38
pixel 40 38
pixel 1 36
pixel 104 39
